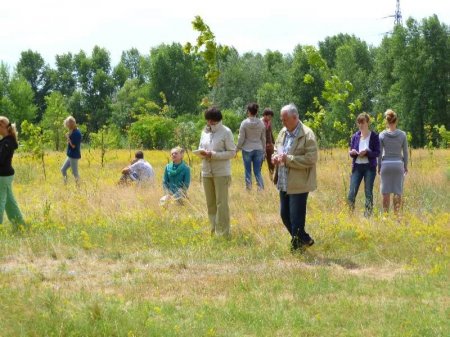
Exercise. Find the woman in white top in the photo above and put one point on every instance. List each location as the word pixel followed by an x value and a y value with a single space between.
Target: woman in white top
pixel 364 150
pixel 217 148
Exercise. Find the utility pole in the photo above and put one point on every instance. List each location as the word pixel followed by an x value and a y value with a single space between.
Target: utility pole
pixel 398 14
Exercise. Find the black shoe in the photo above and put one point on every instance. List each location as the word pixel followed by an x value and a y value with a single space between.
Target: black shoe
pixel 296 244
pixel 308 243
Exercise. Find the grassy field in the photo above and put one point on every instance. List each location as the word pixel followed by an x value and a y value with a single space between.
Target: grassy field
pixel 101 260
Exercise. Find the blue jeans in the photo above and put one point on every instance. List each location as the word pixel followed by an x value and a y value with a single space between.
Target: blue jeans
pixel 256 158
pixel 73 164
pixel 293 214
pixel 361 171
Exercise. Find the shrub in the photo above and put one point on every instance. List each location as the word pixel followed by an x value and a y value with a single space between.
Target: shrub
pixel 152 132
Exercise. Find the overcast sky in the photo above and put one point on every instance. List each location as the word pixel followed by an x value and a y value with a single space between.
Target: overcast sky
pixel 54 27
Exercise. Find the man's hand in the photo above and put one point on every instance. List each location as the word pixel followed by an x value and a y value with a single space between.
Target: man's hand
pixel 279 159
pixel 206 153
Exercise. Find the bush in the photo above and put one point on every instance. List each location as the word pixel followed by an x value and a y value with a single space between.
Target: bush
pixel 152 132
pixel 232 120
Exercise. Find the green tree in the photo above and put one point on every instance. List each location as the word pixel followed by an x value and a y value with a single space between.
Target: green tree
pixel 277 66
pixel 4 89
pixel 33 68
pixel 65 80
pixel 417 87
pixel 239 80
pixel 107 137
pixel 20 104
pixel 34 141
pixel 96 87
pixel 274 96
pixel 53 119
pixel 208 50
pixel 16 97
pixel 152 132
pixel 306 78
pixel 329 47
pixel 130 67
pixel 179 76
pixel 131 101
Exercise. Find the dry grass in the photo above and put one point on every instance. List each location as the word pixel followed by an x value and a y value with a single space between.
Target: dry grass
pixel 114 254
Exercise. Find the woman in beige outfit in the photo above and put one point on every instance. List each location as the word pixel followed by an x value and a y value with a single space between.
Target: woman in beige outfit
pixel 217 149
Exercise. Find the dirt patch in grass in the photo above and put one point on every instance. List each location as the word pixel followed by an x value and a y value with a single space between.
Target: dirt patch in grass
pixel 163 279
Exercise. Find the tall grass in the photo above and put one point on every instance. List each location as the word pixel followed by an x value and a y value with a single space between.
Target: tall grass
pixel 104 260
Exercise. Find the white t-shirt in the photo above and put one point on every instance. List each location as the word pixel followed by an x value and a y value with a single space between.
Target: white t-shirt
pixel 363 145
pixel 141 170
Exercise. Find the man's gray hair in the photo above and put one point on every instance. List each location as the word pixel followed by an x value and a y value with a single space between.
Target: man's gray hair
pixel 291 109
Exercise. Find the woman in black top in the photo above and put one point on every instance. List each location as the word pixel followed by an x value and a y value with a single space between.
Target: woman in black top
pixel 8 144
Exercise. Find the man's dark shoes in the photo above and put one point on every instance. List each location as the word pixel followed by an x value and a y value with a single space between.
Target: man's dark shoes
pixel 300 246
pixel 308 243
pixel 295 244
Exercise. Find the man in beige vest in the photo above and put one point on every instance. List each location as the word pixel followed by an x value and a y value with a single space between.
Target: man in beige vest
pixel 295 176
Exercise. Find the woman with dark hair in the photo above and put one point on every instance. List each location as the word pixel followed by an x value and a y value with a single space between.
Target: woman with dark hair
pixel 8 144
pixel 217 148
pixel 364 150
pixel 393 161
pixel 270 140
pixel 252 142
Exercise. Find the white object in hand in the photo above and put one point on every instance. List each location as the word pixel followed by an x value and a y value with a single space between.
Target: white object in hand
pixel 280 152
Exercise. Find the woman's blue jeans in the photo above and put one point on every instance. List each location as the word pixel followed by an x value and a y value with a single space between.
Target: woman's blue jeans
pixel 255 157
pixel 360 172
pixel 73 164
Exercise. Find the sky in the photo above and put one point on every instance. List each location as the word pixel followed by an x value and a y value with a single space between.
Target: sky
pixel 53 27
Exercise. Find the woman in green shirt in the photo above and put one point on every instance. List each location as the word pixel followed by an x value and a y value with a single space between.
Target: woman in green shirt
pixel 177 176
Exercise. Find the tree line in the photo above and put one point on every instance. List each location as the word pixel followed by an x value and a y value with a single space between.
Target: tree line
pixel 156 100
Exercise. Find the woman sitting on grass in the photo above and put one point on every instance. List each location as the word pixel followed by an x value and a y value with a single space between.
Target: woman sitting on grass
pixel 177 177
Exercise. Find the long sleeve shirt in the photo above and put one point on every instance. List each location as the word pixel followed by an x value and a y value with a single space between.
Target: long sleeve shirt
pixel 7 147
pixel 394 146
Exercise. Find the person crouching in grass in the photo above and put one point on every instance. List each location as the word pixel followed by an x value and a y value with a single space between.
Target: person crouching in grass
pixel 8 144
pixel 139 170
pixel 177 177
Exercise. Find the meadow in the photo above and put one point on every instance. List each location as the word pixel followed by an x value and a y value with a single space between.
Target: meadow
pixel 104 260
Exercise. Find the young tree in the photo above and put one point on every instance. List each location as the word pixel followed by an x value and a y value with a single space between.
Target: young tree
pixel 307 63
pixel 34 141
pixel 207 48
pixel 53 119
pixel 16 97
pixel 21 106
pixel 108 137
